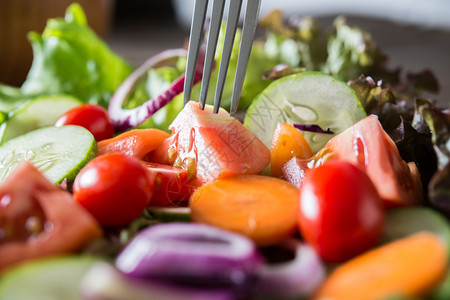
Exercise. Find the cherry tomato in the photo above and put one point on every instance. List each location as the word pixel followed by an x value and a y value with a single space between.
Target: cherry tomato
pixel 341 214
pixel 90 116
pixel 115 188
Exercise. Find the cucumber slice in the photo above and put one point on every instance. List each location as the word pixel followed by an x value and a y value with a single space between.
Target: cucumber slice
pixel 50 278
pixel 304 98
pixel 40 112
pixel 405 221
pixel 58 152
pixel 171 214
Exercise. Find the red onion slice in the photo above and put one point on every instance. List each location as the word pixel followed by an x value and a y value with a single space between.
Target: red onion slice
pixel 104 282
pixel 299 277
pixel 192 254
pixel 124 119
pixel 313 128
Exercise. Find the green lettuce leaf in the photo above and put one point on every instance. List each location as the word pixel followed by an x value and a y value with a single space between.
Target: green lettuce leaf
pixel 69 58
pixel 346 52
pixel 10 99
pixel 352 52
pixel 301 43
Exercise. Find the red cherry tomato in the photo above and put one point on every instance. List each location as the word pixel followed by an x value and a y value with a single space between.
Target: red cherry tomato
pixel 90 116
pixel 341 213
pixel 115 188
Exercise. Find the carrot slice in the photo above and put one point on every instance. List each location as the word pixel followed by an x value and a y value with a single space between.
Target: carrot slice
pixel 262 208
pixel 411 266
pixel 287 142
pixel 136 142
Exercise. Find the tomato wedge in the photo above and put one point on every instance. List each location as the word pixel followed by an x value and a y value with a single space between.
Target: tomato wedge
pixel 287 142
pixel 39 219
pixel 137 142
pixel 212 146
pixel 368 146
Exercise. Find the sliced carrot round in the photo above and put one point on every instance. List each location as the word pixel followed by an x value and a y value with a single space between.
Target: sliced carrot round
pixel 263 208
pixel 408 267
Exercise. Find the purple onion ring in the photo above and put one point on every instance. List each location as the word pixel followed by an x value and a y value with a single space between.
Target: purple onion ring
pixel 124 119
pixel 313 128
pixel 104 282
pixel 191 253
pixel 299 277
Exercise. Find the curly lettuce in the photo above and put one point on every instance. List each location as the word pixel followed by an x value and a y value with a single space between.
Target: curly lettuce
pixel 439 185
pixel 419 128
pixel 345 51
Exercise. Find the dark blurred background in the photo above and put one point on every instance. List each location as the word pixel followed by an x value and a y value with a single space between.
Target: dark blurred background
pixel 143 28
pixel 137 29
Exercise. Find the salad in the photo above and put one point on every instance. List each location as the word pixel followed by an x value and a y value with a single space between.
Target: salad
pixel 332 181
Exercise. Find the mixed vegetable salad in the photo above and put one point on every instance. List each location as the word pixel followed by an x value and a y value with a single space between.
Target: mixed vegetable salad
pixel 333 182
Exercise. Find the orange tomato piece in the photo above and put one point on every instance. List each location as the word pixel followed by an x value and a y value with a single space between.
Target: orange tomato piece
pixel 137 142
pixel 287 142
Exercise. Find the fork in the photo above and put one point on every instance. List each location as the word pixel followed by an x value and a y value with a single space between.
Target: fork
pixel 195 39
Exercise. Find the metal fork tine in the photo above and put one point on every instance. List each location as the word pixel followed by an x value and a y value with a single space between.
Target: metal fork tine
pixel 195 38
pixel 230 33
pixel 214 28
pixel 248 33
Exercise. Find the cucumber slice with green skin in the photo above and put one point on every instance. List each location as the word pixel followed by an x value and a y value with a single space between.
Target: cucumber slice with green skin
pixel 50 278
pixel 304 98
pixel 171 214
pixel 40 112
pixel 402 222
pixel 58 152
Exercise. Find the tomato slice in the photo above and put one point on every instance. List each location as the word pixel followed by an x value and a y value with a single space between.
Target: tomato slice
pixel 369 147
pixel 165 153
pixel 173 185
pixel 137 142
pixel 39 219
pixel 287 142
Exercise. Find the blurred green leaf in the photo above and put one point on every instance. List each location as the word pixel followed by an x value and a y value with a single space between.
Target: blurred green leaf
pixel 69 58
